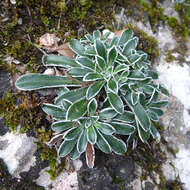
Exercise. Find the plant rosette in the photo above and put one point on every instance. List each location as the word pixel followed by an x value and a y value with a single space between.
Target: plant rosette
pixel 107 91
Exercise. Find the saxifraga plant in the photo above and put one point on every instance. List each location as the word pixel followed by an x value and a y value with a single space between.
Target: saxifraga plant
pixel 107 90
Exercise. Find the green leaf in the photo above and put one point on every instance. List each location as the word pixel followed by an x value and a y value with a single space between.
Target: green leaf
pixel 154 132
pixel 40 81
pixel 77 47
pixel 144 135
pixel 157 111
pixel 142 116
pixel 92 106
pixel 59 61
pixel 112 55
pixel 82 142
pixel 116 102
pixel 90 51
pixel 66 104
pixel 92 77
pixel 91 135
pixel 72 133
pixel 136 75
pixel 96 34
pixel 54 111
pixel 107 113
pixel 127 116
pixel 103 144
pixel 125 36
pixel 75 154
pixel 86 62
pixel 72 95
pixel 159 104
pixel 77 110
pixel 163 91
pixel 121 67
pixel 130 45
pixel 100 49
pixel 114 41
pixel 78 71
pixel 60 126
pixel 153 74
pixel 153 116
pixel 112 85
pixel 117 145
pixel 94 89
pixel 134 98
pixel 89 38
pixel 101 63
pixel 123 129
pixel 66 147
pixel 104 128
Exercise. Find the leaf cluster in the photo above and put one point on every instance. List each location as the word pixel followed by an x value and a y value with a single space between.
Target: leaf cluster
pixel 107 90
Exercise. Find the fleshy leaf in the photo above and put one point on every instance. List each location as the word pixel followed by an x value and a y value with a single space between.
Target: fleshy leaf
pixel 86 62
pixel 92 106
pixel 103 144
pixel 142 116
pixel 144 135
pixel 96 34
pixel 66 147
pixel 77 110
pixel 72 133
pixel 112 55
pixel 127 116
pixel 125 36
pixel 123 129
pixel 77 47
pixel 40 81
pixel 94 89
pixel 130 45
pixel 159 104
pixel 116 102
pixel 54 111
pixel 112 85
pixel 104 128
pixel 91 135
pixel 59 61
pixel 92 77
pixel 101 63
pixel 60 126
pixel 100 48
pixel 107 113
pixel 117 145
pixel 82 141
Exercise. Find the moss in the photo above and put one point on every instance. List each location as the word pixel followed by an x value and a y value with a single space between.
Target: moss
pixel 147 43
pixel 169 56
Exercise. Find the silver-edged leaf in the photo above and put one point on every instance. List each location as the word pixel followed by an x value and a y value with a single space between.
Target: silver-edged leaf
pixel 144 135
pixel 117 145
pixel 82 141
pixel 92 106
pixel 77 110
pixel 142 116
pixel 112 55
pixel 102 144
pixel 96 34
pixel 92 76
pixel 91 135
pixel 125 36
pixel 94 89
pixel 66 147
pixel 123 128
pixel 59 61
pixel 55 111
pixel 77 47
pixel 112 85
pixel 60 126
pixel 116 102
pixel 78 71
pixel 127 116
pixel 86 62
pixel 101 63
pixel 39 81
pixel 130 45
pixel 104 128
pixel 107 113
pixel 100 49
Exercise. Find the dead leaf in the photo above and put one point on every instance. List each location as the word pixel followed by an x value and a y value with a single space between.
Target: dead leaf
pixel 65 50
pixel 56 138
pixel 90 155
pixel 118 32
